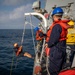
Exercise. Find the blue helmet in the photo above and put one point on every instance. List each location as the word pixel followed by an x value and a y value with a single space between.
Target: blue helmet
pixel 36 29
pixel 57 10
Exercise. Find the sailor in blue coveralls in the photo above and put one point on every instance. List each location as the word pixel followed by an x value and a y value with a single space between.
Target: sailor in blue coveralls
pixel 57 43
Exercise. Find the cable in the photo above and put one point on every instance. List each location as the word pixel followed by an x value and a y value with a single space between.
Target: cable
pixel 12 64
pixel 42 50
pixel 22 40
pixel 47 62
pixel 23 32
pixel 32 33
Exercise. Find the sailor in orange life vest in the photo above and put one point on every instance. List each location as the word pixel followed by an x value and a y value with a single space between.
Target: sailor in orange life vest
pixel 39 34
pixel 18 50
pixel 56 39
pixel 39 38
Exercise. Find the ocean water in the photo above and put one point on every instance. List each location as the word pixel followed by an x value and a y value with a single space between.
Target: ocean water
pixel 9 63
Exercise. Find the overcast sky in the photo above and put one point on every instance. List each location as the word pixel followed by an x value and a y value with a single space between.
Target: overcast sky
pixel 12 12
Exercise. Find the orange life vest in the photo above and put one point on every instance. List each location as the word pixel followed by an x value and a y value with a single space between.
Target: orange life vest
pixel 37 35
pixel 19 50
pixel 64 26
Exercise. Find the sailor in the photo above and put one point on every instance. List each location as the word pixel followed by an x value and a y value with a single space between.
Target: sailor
pixel 57 41
pixel 39 36
pixel 19 51
pixel 71 41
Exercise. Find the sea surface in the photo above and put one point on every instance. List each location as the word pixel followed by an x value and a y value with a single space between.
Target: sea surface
pixel 10 64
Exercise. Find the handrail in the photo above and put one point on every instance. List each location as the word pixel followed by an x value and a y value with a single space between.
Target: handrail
pixel 38 14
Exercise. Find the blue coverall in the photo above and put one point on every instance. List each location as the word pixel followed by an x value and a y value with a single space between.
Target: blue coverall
pixel 57 51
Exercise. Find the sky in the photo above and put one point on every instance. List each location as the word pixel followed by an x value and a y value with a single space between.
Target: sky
pixel 12 12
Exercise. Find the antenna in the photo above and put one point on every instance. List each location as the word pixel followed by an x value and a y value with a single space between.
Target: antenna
pixel 69 4
pixel 54 7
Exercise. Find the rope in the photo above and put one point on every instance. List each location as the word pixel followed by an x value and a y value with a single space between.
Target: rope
pixel 16 63
pixel 21 40
pixel 30 24
pixel 32 38
pixel 42 50
pixel 32 33
pixel 12 64
pixel 23 32
pixel 47 62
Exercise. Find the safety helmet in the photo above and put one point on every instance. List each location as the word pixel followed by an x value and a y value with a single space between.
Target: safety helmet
pixel 57 11
pixel 71 23
pixel 36 29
